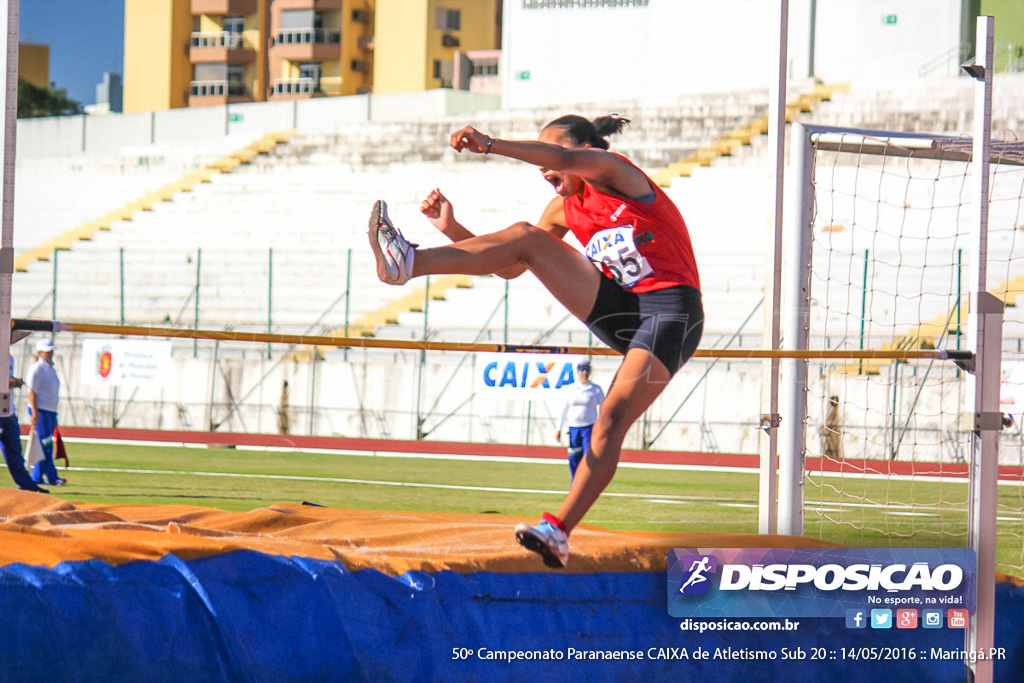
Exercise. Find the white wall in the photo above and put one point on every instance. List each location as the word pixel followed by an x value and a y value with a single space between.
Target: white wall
pixel 188 126
pixel 853 42
pixel 107 132
pixel 65 136
pixel 328 114
pixel 50 136
pixel 664 49
pixel 256 118
pixel 673 47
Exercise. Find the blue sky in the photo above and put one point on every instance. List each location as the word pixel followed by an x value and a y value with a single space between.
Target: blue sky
pixel 86 39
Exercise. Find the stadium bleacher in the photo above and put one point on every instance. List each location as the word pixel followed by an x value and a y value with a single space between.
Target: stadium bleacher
pixel 278 242
pixel 309 201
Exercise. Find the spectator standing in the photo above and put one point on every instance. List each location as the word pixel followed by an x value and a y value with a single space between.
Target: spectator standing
pixel 581 413
pixel 43 390
pixel 10 440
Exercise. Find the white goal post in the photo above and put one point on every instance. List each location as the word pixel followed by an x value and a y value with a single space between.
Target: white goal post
pixel 888 246
pixel 971 406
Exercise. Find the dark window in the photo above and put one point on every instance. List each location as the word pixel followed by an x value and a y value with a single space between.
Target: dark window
pixel 448 19
pixel 236 80
pixel 485 67
pixel 234 24
pixel 581 4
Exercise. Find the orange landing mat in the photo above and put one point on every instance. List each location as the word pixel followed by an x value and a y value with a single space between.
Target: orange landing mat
pixel 38 529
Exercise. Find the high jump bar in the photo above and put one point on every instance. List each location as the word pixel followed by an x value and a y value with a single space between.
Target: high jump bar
pixel 25 325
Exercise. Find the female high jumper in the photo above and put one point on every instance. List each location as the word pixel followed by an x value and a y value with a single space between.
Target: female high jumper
pixel 636 286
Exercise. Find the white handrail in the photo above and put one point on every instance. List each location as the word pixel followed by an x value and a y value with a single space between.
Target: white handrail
pixel 225 39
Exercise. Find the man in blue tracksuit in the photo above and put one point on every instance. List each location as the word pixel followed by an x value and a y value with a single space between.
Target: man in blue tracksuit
pixel 43 388
pixel 581 413
pixel 10 441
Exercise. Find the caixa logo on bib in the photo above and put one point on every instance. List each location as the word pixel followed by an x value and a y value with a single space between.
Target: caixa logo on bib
pixel 526 376
pixel 777 582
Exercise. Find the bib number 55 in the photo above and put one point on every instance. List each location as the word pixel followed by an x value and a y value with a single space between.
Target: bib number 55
pixel 615 249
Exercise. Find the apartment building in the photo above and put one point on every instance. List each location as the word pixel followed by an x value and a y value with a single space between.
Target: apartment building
pixel 227 51
pixel 34 64
pixel 157 71
pixel 194 53
pixel 419 43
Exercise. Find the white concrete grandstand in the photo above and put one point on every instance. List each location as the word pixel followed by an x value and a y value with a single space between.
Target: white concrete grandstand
pixel 279 244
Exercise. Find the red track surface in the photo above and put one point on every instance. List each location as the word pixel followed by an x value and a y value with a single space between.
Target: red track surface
pixel 735 460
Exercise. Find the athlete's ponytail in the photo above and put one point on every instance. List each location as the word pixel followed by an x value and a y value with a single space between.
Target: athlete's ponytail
pixel 586 132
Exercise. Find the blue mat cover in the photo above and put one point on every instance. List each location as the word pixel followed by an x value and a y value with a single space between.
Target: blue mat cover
pixel 248 616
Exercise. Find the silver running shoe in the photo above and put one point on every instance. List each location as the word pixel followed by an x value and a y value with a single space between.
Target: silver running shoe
pixel 547 540
pixel 393 252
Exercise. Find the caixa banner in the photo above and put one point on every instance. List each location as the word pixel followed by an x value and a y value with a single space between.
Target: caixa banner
pixel 818 582
pixel 525 376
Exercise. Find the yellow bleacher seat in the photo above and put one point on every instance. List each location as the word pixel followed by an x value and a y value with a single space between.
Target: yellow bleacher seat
pixel 145 203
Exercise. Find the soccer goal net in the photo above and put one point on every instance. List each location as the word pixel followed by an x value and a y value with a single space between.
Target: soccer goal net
pixel 893 247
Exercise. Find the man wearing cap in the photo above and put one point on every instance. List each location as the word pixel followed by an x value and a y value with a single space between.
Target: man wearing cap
pixel 581 412
pixel 43 387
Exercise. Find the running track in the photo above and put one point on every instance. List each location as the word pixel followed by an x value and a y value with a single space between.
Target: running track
pixel 650 458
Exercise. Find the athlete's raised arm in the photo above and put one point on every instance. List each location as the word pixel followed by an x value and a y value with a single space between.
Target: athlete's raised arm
pixel 554 154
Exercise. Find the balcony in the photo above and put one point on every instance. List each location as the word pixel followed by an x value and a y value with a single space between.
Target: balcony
pixel 209 93
pixel 310 4
pixel 307 44
pixel 222 7
pixel 296 88
pixel 307 36
pixel 220 46
pixel 222 39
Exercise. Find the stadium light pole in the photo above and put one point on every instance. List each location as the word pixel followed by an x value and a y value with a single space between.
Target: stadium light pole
pixel 10 131
pixel 768 475
pixel 812 35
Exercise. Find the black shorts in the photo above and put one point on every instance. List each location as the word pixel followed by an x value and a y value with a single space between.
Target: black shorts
pixel 667 322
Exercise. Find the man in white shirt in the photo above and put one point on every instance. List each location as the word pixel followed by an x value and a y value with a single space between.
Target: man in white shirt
pixel 581 413
pixel 43 389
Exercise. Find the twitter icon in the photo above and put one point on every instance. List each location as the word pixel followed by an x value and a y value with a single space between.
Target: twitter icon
pixel 881 618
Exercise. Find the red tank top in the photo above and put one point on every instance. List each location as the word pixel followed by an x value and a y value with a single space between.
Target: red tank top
pixel 644 246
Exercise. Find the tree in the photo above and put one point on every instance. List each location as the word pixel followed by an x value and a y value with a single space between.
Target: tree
pixel 34 101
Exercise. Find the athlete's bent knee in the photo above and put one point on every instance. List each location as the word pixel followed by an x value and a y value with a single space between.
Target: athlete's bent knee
pixel 522 231
pixel 612 422
pixel 524 239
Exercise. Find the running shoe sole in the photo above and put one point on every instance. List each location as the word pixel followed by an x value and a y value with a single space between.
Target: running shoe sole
pixel 531 542
pixel 379 256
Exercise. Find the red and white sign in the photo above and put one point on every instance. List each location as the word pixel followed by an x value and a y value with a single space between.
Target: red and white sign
pixel 125 362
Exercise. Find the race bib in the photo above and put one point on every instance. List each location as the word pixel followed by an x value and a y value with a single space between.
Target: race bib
pixel 615 250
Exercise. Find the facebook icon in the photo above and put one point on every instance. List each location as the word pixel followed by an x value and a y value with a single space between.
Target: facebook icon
pixel 856 618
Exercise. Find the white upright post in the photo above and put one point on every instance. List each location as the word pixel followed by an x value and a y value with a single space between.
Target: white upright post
pixel 984 478
pixel 768 481
pixel 7 149
pixel 792 435
pixel 988 322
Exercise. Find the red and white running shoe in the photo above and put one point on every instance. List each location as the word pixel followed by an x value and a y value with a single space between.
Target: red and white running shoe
pixel 394 253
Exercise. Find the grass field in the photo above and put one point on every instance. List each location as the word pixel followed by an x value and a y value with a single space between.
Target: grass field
pixel 852 511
